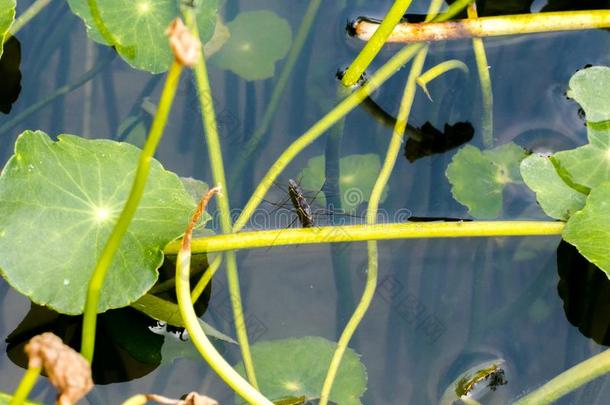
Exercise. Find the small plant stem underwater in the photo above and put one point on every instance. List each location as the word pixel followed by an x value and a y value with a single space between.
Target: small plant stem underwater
pixel 205 278
pixel 295 50
pixel 485 83
pixel 375 43
pixel 25 386
pixel 114 241
pixel 517 24
pixel 371 218
pixel 27 15
pixel 191 322
pixel 569 380
pixel 359 233
pixel 342 109
pixel 215 155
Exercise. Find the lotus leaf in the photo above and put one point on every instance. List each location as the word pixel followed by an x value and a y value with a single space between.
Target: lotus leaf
pixel 7 16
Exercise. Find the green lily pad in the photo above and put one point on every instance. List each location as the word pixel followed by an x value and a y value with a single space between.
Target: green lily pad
pixel 589 228
pixel 7 16
pixel 590 88
pixel 258 40
pixel 137 28
pixel 358 176
pixel 296 367
pixel 588 165
pixel 478 177
pixel 58 204
pixel 556 198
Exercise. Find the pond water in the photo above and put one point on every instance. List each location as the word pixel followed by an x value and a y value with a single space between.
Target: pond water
pixel 442 306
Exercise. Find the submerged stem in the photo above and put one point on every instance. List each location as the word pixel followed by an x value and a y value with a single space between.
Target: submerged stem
pixel 371 218
pixel 26 16
pixel 99 273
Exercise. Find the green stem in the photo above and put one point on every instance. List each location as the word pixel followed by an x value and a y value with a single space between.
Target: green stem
pixel 215 156
pixel 371 218
pixel 374 45
pixel 99 274
pixel 139 399
pixel 359 233
pixel 485 83
pixel 27 15
pixel 342 109
pixel 128 51
pixel 25 386
pixel 278 90
pixel 205 278
pixel 57 93
pixel 569 380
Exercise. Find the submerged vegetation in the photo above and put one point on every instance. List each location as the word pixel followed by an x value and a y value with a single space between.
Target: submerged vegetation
pixel 86 224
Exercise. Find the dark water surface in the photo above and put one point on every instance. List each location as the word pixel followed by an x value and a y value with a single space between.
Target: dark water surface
pixel 442 305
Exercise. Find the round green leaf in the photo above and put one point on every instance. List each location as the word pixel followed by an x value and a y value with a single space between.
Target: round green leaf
pixel 137 28
pixel 589 228
pixel 590 88
pixel 297 367
pixel 58 204
pixel 588 165
pixel 478 177
pixel 556 198
pixel 258 40
pixel 358 176
pixel 7 16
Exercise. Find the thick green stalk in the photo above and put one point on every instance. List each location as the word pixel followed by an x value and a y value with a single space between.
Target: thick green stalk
pixel 25 386
pixel 569 380
pixel 374 45
pixel 342 109
pixel 485 83
pixel 278 90
pixel 371 219
pixel 359 233
pixel 27 15
pixel 99 273
pixel 215 156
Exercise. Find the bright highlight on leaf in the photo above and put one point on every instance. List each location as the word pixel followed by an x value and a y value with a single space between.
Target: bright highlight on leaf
pixel 7 16
pixel 296 367
pixel 258 40
pixel 59 201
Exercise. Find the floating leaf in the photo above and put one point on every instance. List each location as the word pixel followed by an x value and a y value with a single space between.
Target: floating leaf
pixel 137 28
pixel 589 228
pixel 258 40
pixel 358 176
pixel 7 16
pixel 590 88
pixel 296 367
pixel 478 177
pixel 556 198
pixel 58 204
pixel 588 165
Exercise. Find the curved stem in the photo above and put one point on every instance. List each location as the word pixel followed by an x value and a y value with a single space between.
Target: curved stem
pixel 569 380
pixel 278 90
pixel 25 386
pixel 27 15
pixel 101 269
pixel 375 43
pixel 344 107
pixel 485 83
pixel 359 233
pixel 215 155
pixel 371 218
pixel 205 278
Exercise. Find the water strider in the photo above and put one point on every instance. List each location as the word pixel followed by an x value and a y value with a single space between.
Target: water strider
pixel 300 204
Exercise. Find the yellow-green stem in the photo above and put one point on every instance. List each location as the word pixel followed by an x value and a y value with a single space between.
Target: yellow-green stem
pixel 485 82
pixel 216 162
pixel 295 50
pixel 342 109
pixel 139 399
pixel 27 15
pixel 25 386
pixel 371 219
pixel 205 278
pixel 359 233
pixel 374 45
pixel 99 273
pixel 569 380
